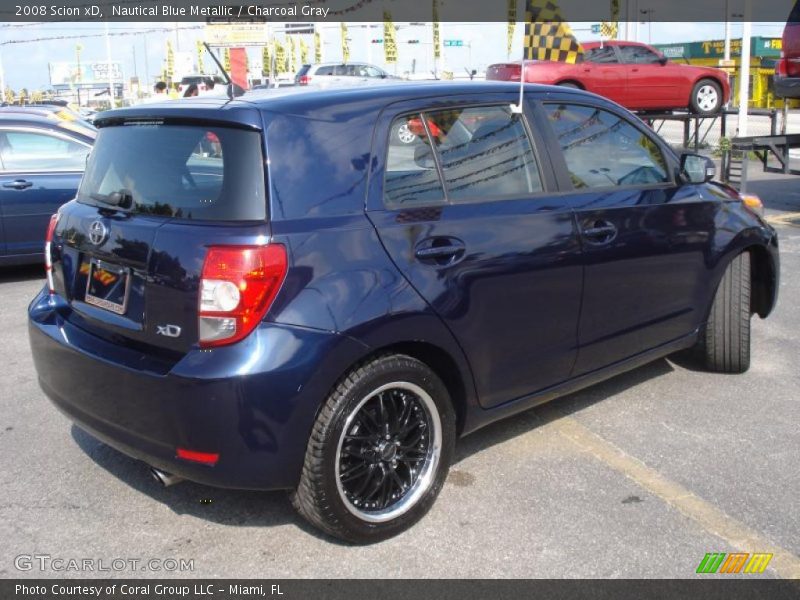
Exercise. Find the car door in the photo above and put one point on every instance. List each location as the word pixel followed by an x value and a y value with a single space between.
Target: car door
pixel 645 237
pixel 652 82
pixel 601 73
pixel 468 214
pixel 41 170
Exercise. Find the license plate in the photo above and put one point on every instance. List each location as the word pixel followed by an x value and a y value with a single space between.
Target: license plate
pixel 107 286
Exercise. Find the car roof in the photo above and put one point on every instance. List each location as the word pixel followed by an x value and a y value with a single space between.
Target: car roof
pixel 614 43
pixel 28 119
pixel 245 110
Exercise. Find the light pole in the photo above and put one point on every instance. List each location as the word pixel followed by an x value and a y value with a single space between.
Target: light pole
pixel 78 48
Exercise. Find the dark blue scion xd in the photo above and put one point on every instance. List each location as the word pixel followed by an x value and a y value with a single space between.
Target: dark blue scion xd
pixel 279 292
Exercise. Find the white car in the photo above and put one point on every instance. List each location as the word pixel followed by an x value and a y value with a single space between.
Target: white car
pixel 333 73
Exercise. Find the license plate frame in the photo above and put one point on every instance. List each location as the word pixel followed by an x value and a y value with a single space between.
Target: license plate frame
pixel 118 276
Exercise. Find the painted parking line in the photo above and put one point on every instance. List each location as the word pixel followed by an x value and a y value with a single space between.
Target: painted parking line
pixel 783 219
pixel 708 516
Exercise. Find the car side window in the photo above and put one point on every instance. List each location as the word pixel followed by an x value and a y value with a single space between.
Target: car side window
pixel 33 151
pixel 373 72
pixel 604 150
pixel 411 178
pixel 604 55
pixel 484 152
pixel 638 55
pixel 325 70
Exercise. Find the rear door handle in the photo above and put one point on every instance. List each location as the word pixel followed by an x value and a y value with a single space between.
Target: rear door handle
pixel 440 250
pixel 17 184
pixel 600 232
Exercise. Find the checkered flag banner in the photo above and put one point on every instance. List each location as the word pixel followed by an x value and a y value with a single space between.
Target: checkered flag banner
pixel 547 35
pixel 608 30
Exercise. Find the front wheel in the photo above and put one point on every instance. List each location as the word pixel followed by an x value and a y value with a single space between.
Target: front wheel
pixel 724 346
pixel 379 451
pixel 706 97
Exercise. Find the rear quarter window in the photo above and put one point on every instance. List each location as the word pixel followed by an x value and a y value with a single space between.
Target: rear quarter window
pixel 181 171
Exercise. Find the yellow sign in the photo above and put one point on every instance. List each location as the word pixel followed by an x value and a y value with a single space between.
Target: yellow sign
pixel 235 35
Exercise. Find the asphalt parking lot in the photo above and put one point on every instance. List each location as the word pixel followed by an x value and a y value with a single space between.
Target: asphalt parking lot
pixel 640 476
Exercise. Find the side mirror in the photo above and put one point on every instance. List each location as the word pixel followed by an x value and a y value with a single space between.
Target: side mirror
pixel 663 60
pixel 696 168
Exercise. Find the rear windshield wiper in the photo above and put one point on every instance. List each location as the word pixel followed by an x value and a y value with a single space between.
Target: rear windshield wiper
pixel 120 198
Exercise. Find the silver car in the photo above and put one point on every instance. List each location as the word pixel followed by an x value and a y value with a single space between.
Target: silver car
pixel 336 73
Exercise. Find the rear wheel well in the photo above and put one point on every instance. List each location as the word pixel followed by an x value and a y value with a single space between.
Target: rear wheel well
pixel 577 84
pixel 762 281
pixel 440 362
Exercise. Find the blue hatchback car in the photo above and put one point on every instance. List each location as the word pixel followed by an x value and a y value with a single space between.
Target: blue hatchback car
pixel 42 158
pixel 276 293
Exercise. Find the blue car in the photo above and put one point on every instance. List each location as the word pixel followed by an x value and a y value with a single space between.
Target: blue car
pixel 277 293
pixel 42 159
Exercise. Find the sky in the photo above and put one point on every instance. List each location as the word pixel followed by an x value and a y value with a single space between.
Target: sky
pixel 141 47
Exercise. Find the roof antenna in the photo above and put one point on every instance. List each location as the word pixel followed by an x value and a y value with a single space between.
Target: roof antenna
pixel 230 87
pixel 517 108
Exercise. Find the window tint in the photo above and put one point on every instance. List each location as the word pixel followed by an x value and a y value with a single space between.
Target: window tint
pixel 179 171
pixel 31 151
pixel 605 54
pixel 411 177
pixel 325 70
pixel 638 55
pixel 603 150
pixel 484 151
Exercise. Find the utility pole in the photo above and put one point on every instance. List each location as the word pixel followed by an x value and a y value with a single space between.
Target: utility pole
pixel 727 31
pixel 108 68
pixel 744 69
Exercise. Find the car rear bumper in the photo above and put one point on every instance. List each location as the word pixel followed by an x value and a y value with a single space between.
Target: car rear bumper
pixel 787 87
pixel 253 403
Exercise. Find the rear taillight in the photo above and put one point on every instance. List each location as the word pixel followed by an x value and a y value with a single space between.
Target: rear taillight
pixel 304 80
pixel 48 259
pixel 237 288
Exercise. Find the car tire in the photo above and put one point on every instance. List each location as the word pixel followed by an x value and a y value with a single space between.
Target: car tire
pixel 724 345
pixel 379 451
pixel 706 97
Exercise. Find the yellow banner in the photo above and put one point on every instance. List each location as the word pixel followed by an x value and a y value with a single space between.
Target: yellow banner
pixel 437 46
pixel 345 46
pixel 280 58
pixel 389 41
pixel 317 46
pixel 512 24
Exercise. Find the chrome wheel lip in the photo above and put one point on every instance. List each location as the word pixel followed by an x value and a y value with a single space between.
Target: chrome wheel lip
pixel 424 480
pixel 404 134
pixel 707 97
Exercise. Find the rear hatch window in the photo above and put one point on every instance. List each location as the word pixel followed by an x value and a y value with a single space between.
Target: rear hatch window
pixel 179 171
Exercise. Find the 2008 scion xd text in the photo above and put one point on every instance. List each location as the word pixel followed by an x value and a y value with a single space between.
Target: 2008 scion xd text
pixel 276 293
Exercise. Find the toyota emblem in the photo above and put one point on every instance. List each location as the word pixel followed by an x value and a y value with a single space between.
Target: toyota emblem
pixel 97 233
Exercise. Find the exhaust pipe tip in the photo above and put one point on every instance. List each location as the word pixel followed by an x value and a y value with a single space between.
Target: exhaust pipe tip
pixel 163 478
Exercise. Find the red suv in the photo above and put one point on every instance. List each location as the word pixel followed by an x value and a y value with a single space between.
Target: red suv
pixel 787 69
pixel 635 75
